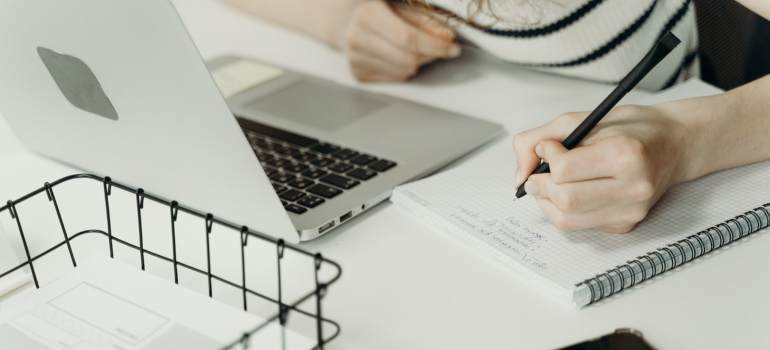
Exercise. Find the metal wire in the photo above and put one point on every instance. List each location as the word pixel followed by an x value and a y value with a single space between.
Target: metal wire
pixel 210 220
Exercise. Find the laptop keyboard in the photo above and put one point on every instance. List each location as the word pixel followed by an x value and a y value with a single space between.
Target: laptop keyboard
pixel 306 172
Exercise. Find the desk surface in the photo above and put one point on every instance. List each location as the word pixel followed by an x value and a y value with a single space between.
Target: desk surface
pixel 407 286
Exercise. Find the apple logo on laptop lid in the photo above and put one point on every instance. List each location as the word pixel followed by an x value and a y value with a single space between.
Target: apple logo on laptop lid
pixel 78 83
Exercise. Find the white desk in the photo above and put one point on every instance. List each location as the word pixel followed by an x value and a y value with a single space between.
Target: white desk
pixel 406 286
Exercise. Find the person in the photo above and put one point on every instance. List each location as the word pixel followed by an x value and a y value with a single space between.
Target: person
pixel 615 176
pixel 601 40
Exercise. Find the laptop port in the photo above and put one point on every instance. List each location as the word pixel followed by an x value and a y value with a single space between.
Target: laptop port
pixel 346 216
pixel 326 227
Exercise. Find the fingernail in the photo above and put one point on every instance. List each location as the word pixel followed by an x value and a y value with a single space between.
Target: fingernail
pixel 531 188
pixel 517 177
pixel 539 151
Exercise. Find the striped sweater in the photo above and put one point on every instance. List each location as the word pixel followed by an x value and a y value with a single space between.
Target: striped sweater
pixel 599 40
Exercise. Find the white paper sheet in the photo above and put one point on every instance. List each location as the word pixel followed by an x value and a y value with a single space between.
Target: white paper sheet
pixel 8 260
pixel 105 304
pixel 242 75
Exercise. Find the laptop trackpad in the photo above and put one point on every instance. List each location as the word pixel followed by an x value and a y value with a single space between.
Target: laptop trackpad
pixel 322 106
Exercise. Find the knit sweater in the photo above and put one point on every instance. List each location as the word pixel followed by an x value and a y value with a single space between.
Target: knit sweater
pixel 599 40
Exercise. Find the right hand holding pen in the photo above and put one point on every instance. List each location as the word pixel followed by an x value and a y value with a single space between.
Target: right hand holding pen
pixel 390 42
pixel 613 178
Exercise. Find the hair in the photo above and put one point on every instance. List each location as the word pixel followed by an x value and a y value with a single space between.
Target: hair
pixel 486 7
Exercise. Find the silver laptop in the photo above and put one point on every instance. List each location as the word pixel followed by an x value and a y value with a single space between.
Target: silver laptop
pixel 118 88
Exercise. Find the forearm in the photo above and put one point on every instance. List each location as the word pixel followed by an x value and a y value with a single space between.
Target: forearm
pixel 321 19
pixel 726 130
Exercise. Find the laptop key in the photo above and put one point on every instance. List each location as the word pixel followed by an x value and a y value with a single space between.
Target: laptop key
pixel 340 181
pixel 306 156
pixel 382 165
pixel 314 173
pixel 341 167
pixel 324 191
pixel 269 146
pixel 264 157
pixel 362 174
pixel 292 195
pixel 283 177
pixel 296 209
pixel 363 159
pixel 287 151
pixel 311 201
pixel 295 168
pixel 302 183
pixel 278 162
pixel 278 188
pixel 325 148
pixel 345 154
pixel 323 162
pixel 284 203
pixel 270 171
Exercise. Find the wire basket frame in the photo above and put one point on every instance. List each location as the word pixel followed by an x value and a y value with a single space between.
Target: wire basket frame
pixel 281 248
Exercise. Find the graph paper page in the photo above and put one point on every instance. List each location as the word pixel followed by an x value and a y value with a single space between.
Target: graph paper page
pixel 477 200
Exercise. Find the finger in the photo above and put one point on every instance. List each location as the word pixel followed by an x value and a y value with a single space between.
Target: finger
pixel 617 228
pixel 426 22
pixel 524 143
pixel 606 217
pixel 411 38
pixel 583 163
pixel 363 64
pixel 578 197
pixel 380 78
pixel 374 46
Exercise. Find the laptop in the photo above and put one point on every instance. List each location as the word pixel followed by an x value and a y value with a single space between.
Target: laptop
pixel 118 88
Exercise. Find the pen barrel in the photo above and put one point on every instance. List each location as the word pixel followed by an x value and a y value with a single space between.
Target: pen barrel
pixel 594 118
pixel 542 168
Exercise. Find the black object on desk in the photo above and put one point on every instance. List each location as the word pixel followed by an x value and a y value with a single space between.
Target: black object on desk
pixel 621 339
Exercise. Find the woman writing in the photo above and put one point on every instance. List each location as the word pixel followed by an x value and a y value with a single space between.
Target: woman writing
pixel 613 178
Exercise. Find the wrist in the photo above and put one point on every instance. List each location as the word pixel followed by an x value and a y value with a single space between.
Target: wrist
pixel 699 124
pixel 334 30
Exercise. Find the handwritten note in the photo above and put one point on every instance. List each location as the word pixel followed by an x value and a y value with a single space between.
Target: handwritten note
pixel 518 240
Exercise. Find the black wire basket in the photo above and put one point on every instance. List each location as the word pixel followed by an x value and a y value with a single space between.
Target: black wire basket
pixel 324 271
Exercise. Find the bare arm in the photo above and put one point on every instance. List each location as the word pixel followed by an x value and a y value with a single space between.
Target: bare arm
pixel 728 130
pixel 321 19
pixel 383 41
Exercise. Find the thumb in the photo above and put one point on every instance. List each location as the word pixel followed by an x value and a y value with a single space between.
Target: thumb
pixel 550 151
pixel 525 143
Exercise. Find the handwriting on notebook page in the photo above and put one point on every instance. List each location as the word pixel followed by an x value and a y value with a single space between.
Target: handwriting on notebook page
pixel 509 234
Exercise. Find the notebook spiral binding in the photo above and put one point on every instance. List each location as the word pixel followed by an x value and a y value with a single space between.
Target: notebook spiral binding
pixel 673 255
pixel 284 307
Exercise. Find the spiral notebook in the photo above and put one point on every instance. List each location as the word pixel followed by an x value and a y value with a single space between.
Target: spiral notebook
pixel 473 203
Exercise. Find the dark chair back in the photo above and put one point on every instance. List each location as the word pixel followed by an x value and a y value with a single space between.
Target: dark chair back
pixel 734 43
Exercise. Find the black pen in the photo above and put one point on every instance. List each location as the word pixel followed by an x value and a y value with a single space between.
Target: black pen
pixel 662 48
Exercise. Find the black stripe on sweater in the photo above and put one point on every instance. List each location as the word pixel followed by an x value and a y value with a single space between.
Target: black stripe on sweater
pixel 542 31
pixel 606 48
pixel 674 20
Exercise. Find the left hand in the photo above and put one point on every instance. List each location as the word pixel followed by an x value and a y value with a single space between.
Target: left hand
pixel 613 178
